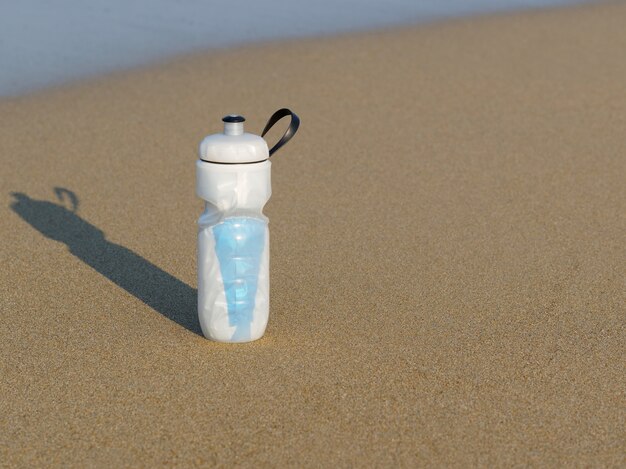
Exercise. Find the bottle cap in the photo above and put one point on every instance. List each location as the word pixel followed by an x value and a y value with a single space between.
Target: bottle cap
pixel 234 146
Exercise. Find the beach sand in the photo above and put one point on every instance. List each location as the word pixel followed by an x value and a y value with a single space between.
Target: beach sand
pixel 447 238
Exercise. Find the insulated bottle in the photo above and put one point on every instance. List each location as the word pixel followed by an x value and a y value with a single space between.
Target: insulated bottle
pixel 233 179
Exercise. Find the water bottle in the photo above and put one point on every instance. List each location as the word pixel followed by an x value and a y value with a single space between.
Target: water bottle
pixel 233 179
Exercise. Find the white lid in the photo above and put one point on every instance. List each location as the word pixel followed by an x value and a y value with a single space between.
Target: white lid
pixel 234 145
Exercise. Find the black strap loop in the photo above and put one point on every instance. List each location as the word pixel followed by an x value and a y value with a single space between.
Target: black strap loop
pixel 289 133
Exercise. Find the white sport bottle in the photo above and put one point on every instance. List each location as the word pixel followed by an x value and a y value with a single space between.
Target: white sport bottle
pixel 233 178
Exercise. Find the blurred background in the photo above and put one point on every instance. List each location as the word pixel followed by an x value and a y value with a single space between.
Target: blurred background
pixel 48 42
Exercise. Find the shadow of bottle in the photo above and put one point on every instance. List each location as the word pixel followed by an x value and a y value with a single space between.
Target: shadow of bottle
pixel 156 288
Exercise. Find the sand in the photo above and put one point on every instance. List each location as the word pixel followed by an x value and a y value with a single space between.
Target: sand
pixel 447 235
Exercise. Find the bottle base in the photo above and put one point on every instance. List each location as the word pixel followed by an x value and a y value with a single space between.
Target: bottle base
pixel 226 337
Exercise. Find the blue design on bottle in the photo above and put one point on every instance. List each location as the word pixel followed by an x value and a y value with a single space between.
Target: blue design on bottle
pixel 239 244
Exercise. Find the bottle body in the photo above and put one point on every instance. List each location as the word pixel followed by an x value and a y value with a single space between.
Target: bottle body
pixel 233 276
pixel 233 250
